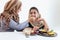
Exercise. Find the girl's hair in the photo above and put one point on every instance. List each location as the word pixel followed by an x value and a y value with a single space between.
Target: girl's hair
pixel 35 9
pixel 10 11
pixel 39 16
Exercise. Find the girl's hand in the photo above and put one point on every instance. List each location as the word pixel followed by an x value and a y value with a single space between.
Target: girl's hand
pixel 35 28
pixel 40 19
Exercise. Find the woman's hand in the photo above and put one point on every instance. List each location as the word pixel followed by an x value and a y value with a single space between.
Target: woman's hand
pixel 32 19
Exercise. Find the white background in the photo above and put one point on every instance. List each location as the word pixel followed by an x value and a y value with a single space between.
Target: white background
pixel 49 9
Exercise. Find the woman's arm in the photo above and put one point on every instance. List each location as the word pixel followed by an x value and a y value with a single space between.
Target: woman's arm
pixel 17 26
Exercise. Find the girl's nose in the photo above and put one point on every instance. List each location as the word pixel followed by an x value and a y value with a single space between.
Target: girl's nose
pixel 33 14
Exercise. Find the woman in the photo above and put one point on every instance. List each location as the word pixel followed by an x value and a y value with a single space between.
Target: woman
pixel 9 17
pixel 35 21
pixel 12 8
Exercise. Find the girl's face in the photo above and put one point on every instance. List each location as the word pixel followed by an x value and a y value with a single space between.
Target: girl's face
pixel 34 13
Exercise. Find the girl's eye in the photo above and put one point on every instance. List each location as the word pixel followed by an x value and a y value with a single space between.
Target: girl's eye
pixel 31 13
pixel 34 12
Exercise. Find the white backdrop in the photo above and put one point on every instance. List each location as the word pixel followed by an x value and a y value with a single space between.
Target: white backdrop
pixel 49 9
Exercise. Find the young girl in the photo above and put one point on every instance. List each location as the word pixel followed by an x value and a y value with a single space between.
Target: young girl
pixel 35 21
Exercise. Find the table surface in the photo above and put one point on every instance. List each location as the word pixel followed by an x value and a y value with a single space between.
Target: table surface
pixel 21 36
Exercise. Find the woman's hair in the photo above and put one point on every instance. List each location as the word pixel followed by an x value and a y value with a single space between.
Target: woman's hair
pixel 10 11
pixel 12 7
pixel 35 9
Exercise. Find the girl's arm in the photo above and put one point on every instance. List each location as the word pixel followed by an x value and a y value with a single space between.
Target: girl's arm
pixel 44 23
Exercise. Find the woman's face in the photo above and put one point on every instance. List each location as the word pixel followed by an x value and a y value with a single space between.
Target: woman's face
pixel 34 13
pixel 18 10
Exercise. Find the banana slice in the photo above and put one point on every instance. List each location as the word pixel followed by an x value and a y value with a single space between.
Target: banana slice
pixel 43 30
pixel 51 33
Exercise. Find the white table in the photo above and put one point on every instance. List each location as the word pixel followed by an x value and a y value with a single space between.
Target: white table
pixel 20 36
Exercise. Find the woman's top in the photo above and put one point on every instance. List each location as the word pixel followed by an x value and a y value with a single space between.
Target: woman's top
pixel 12 26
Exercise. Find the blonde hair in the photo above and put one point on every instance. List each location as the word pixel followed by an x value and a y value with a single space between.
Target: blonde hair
pixel 10 11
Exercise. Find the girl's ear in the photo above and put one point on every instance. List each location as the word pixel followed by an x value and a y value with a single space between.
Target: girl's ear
pixel 39 15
